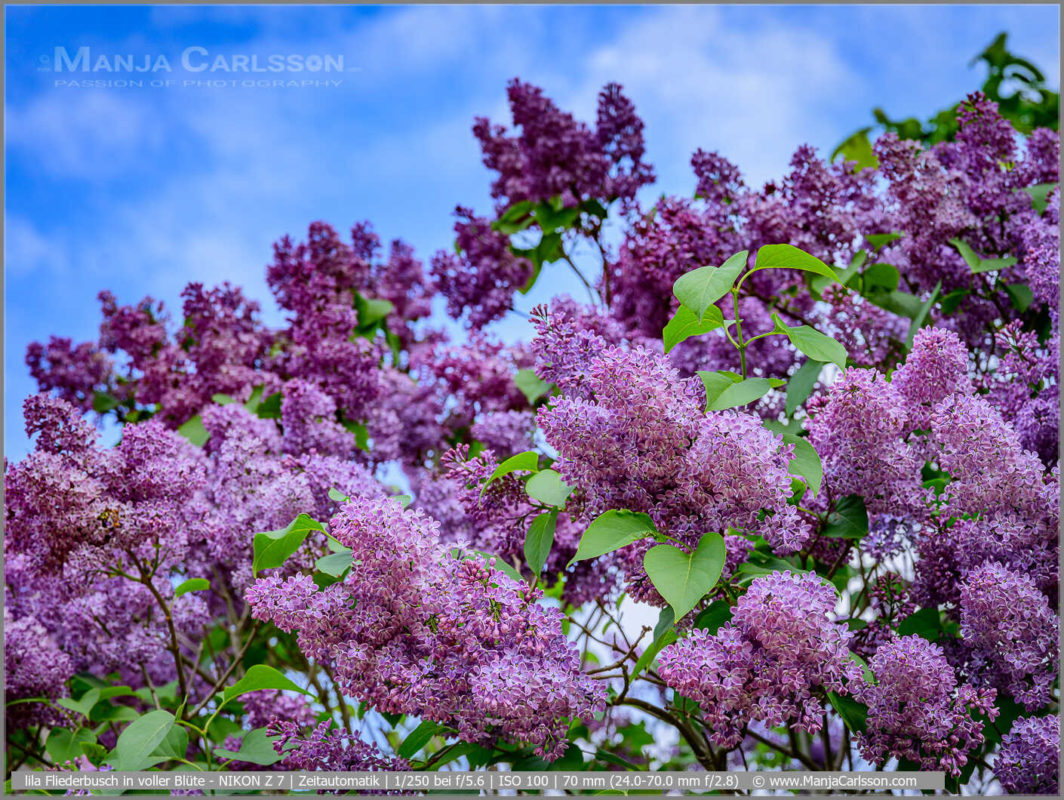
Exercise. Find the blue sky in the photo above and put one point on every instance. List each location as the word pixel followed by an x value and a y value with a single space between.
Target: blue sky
pixel 143 190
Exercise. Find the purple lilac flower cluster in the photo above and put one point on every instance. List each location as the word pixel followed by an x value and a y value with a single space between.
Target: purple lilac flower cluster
pixel 916 710
pixel 1029 759
pixel 418 630
pixel 770 663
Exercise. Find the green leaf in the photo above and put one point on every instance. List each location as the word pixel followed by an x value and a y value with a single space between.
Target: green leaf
pixel 926 623
pixel 703 287
pixel 685 324
pixel 785 256
pixel 1039 194
pixel 83 705
pixel 801 384
pixel 418 738
pixel 371 311
pixel 921 316
pixel 611 531
pixel 813 343
pixel 977 264
pixel 805 463
pixel 549 488
pixel 222 399
pixel 667 637
pixel 174 746
pixel 64 745
pixel 192 585
pixel 901 303
pixel 361 433
pixel 531 386
pixel 721 395
pixel 666 620
pixel 857 148
pixel 337 496
pixel 403 500
pixel 527 461
pixel 139 739
pixel 260 677
pixel 879 240
pixel 334 564
pixel 194 431
pixel 255 748
pixel 684 578
pixel 550 220
pixel 881 277
pixel 539 540
pixel 103 402
pixel 272 548
pixel 849 520
pixel 515 219
pixel 713 618
pixel 853 713
pixel 270 408
pixel 254 399
pixel 1020 295
pixel 952 300
pixel 594 208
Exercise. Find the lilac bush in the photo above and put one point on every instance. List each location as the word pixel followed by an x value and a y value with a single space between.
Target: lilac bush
pixel 812 424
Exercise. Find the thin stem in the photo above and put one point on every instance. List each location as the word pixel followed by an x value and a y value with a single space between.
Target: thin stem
pixel 229 670
pixel 175 647
pixel 739 333
pixel 580 275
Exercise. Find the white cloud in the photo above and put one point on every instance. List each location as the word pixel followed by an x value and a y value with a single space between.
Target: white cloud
pixel 27 250
pixel 82 133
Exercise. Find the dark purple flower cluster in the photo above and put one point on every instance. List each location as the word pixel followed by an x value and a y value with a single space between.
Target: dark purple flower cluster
pixel 328 749
pixel 771 662
pixel 554 155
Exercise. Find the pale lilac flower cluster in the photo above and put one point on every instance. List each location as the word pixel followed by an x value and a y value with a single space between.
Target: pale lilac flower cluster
pixel 70 495
pixel 916 710
pixel 1029 759
pixel 1011 632
pixel 936 368
pixel 770 663
pixel 414 629
pixel 858 433
pixel 34 666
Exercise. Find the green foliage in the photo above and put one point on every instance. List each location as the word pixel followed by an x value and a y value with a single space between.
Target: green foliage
pixel 540 539
pixel 728 390
pixel 712 618
pixel 133 750
pixel 531 386
pixel 685 324
pixel 259 677
pixel 527 461
pixel 806 462
pixel 611 531
pixel 849 520
pixel 255 748
pixel 701 288
pixel 858 149
pixel 272 548
pixel 977 264
pixel 192 585
pixel 683 578
pixel 194 431
pixel 801 384
pixel 818 346
pixel 548 488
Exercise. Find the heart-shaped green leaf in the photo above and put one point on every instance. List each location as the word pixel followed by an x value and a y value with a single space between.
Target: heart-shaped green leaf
pixel 549 488
pixel 684 578
pixel 686 324
pixel 540 539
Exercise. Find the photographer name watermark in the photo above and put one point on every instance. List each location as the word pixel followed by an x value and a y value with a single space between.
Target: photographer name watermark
pixel 195 66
